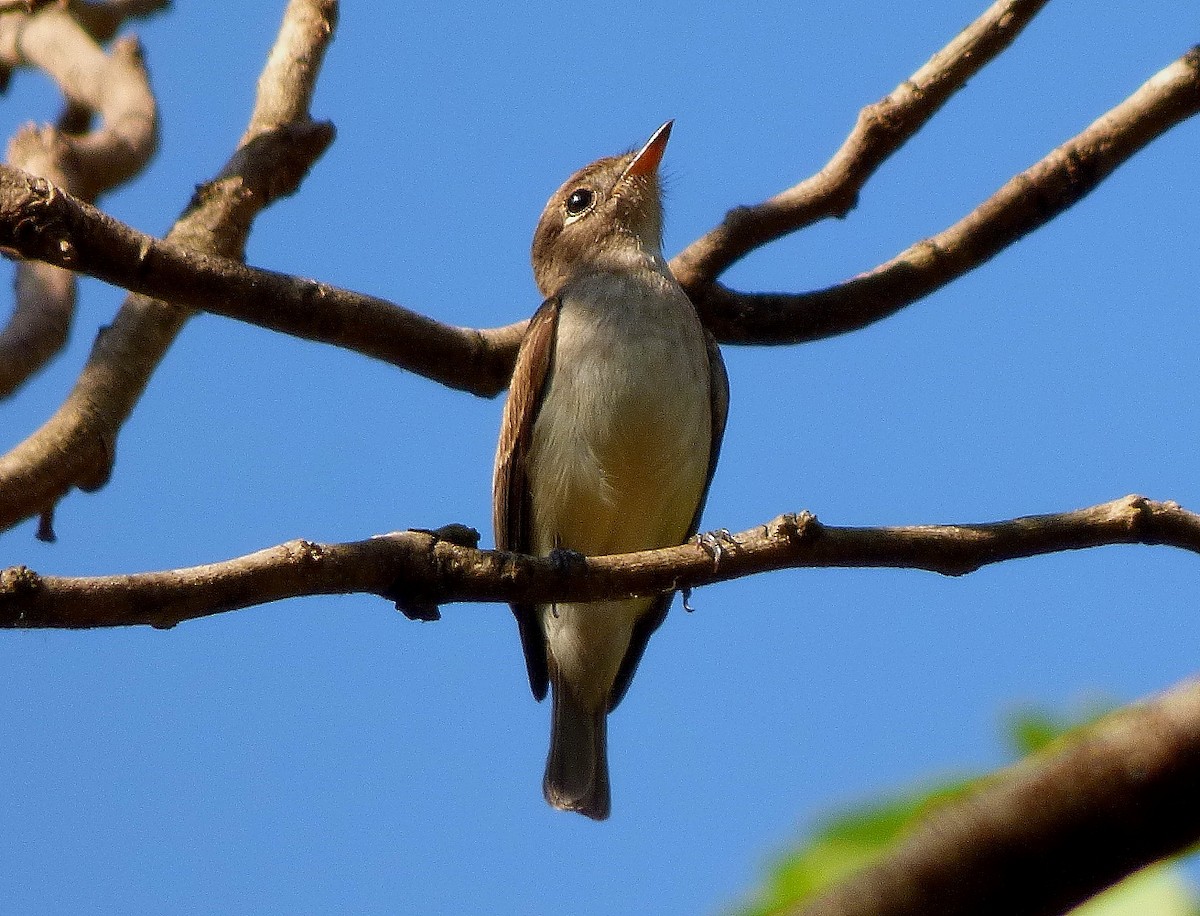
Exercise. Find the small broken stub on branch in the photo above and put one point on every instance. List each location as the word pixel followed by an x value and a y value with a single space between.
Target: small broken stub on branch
pixel 411 602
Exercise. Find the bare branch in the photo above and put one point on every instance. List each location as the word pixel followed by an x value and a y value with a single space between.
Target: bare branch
pixel 420 570
pixel 86 164
pixel 76 447
pixel 35 219
pixel 1046 834
pixel 1026 202
pixel 881 129
pixel 34 222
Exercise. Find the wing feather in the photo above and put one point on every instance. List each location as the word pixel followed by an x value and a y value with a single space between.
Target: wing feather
pixel 510 485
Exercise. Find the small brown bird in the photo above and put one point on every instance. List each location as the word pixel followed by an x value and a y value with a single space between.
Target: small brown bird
pixel 608 444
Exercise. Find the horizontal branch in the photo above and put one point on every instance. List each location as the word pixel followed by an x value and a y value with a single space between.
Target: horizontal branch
pixel 1026 202
pixel 881 129
pixel 420 570
pixel 1050 832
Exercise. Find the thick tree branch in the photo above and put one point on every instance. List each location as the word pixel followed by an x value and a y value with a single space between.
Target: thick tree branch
pixel 1046 834
pixel 1027 201
pixel 420 570
pixel 881 129
pixel 84 163
pixel 76 447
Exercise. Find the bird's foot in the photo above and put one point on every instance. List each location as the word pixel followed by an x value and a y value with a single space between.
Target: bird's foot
pixel 564 560
pixel 715 543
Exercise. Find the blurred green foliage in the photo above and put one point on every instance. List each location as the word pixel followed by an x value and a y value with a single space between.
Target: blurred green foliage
pixel 851 839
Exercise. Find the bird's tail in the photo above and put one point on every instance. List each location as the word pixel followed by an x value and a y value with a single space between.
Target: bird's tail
pixel 577 767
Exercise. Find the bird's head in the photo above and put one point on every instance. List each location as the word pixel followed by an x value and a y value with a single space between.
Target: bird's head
pixel 603 212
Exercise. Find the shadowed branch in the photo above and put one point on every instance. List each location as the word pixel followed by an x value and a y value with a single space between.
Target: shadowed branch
pixel 1046 834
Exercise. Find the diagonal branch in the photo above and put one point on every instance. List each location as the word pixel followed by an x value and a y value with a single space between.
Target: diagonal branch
pixel 1046 834
pixel 1026 202
pixel 420 570
pixel 881 129
pixel 76 446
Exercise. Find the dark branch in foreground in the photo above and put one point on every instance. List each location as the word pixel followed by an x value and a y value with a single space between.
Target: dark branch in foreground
pixel 1046 834
pixel 420 570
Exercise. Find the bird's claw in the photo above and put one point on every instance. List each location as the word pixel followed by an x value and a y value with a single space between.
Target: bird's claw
pixel 564 559
pixel 715 543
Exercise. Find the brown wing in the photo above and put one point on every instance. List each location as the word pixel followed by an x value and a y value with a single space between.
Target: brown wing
pixel 718 393
pixel 510 489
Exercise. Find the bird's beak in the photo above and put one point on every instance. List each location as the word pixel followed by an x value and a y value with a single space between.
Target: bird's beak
pixel 649 156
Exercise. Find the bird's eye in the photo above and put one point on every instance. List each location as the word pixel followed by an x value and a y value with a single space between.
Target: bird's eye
pixel 580 200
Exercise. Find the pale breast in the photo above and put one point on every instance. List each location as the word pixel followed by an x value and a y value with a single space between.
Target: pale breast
pixel 620 449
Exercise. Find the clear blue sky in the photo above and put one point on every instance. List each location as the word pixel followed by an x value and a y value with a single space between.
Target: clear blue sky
pixel 327 755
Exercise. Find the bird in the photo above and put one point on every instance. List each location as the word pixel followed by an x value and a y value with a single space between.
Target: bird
pixel 608 443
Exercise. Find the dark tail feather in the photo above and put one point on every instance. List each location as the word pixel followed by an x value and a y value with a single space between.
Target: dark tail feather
pixel 577 767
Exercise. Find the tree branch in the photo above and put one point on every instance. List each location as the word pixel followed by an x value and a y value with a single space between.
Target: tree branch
pixel 83 163
pixel 1026 202
pixel 34 221
pixel 1046 834
pixel 76 446
pixel 103 19
pixel 420 570
pixel 881 129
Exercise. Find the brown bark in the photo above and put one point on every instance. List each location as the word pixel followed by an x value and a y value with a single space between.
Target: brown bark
pixel 1052 831
pixel 81 162
pixel 76 447
pixel 420 570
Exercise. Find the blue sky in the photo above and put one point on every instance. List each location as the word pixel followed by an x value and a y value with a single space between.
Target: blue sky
pixel 327 755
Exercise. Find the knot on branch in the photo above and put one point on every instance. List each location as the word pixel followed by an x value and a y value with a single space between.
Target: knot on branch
pixel 18 585
pixel 304 553
pixel 445 564
pixel 1142 519
pixel 795 528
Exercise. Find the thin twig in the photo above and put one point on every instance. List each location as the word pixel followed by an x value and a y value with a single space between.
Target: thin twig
pixel 1026 202
pixel 881 129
